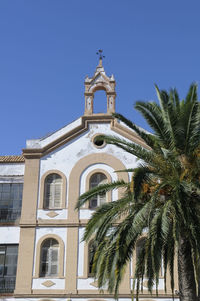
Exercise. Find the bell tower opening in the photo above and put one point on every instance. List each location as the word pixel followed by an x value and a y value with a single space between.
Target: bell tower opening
pixel 95 89
pixel 100 102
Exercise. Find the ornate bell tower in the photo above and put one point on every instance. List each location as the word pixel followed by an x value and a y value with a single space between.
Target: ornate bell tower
pixel 100 81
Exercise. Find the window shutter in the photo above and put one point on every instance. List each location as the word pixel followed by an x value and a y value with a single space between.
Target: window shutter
pixel 53 260
pixel 53 191
pixel 57 195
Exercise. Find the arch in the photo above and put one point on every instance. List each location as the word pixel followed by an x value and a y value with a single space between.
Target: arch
pixel 60 258
pixel 80 166
pixel 100 86
pixel 42 185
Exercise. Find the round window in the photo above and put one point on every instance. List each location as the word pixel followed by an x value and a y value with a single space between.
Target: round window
pixel 98 142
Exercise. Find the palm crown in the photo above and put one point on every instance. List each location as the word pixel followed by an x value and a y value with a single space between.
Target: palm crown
pixel 163 197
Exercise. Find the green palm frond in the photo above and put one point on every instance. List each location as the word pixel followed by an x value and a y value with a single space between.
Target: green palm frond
pixel 105 216
pixel 147 137
pixel 101 188
pixel 132 148
pixel 152 113
pixel 162 196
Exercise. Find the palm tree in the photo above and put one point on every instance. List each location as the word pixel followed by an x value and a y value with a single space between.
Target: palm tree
pixel 163 197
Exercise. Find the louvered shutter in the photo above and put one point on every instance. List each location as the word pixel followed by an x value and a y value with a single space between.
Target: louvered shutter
pixel 54 261
pixel 53 191
pixel 57 194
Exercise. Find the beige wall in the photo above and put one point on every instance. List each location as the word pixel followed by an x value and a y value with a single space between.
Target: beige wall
pixel 28 227
pixel 25 261
pixel 30 192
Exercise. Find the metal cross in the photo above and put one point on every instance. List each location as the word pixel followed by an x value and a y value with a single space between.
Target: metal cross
pixel 100 53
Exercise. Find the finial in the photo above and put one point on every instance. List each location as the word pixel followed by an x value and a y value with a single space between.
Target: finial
pixel 101 56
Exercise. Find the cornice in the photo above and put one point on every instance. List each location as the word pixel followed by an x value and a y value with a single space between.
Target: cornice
pixel 34 153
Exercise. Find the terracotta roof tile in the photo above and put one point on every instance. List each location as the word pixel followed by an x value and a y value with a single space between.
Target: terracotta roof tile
pixel 12 159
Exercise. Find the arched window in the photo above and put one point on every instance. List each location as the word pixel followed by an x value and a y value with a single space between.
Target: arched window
pixel 49 258
pixel 91 252
pixel 53 191
pixel 100 198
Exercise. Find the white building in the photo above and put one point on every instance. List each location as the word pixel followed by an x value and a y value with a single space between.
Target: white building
pixel 42 255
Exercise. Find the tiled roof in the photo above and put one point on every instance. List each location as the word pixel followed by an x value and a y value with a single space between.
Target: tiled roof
pixel 12 159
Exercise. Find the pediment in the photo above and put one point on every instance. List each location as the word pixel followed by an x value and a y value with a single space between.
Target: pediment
pixel 44 146
pixel 100 78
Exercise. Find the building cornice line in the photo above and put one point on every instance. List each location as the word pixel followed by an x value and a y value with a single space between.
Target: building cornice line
pixel 85 121
pixel 88 296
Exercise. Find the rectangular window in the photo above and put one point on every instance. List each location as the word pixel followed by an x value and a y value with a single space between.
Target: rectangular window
pixel 10 201
pixel 8 267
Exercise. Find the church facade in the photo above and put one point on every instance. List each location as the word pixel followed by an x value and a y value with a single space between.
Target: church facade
pixel 42 255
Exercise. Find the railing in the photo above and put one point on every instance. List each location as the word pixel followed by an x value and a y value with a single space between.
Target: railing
pixel 7 284
pixel 9 215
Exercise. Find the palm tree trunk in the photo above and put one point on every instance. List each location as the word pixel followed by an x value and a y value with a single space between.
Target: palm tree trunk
pixel 186 278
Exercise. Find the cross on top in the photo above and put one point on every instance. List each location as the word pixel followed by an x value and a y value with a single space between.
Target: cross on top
pixel 100 53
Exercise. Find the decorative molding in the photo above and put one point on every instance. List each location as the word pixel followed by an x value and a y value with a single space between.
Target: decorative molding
pixel 95 284
pixel 52 214
pixel 85 121
pixel 48 283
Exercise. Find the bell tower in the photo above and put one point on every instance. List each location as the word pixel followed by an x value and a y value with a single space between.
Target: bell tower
pixel 100 81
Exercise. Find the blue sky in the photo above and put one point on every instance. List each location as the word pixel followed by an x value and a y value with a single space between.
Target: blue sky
pixel 47 47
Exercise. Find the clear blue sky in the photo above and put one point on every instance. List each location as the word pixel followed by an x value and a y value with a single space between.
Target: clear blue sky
pixel 47 47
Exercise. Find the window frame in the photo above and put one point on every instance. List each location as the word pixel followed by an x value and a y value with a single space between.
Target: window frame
pixel 51 184
pixel 64 202
pixel 5 275
pixel 49 262
pixel 38 250
pixel 99 198
pixel 10 201
pixel 87 186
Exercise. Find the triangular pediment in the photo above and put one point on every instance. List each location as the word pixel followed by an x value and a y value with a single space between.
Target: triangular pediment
pixel 41 147
pixel 100 78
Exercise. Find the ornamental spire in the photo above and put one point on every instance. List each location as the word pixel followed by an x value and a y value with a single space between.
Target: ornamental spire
pixel 101 56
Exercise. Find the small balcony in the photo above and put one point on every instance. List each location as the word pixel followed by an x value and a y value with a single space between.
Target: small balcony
pixel 7 284
pixel 9 215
